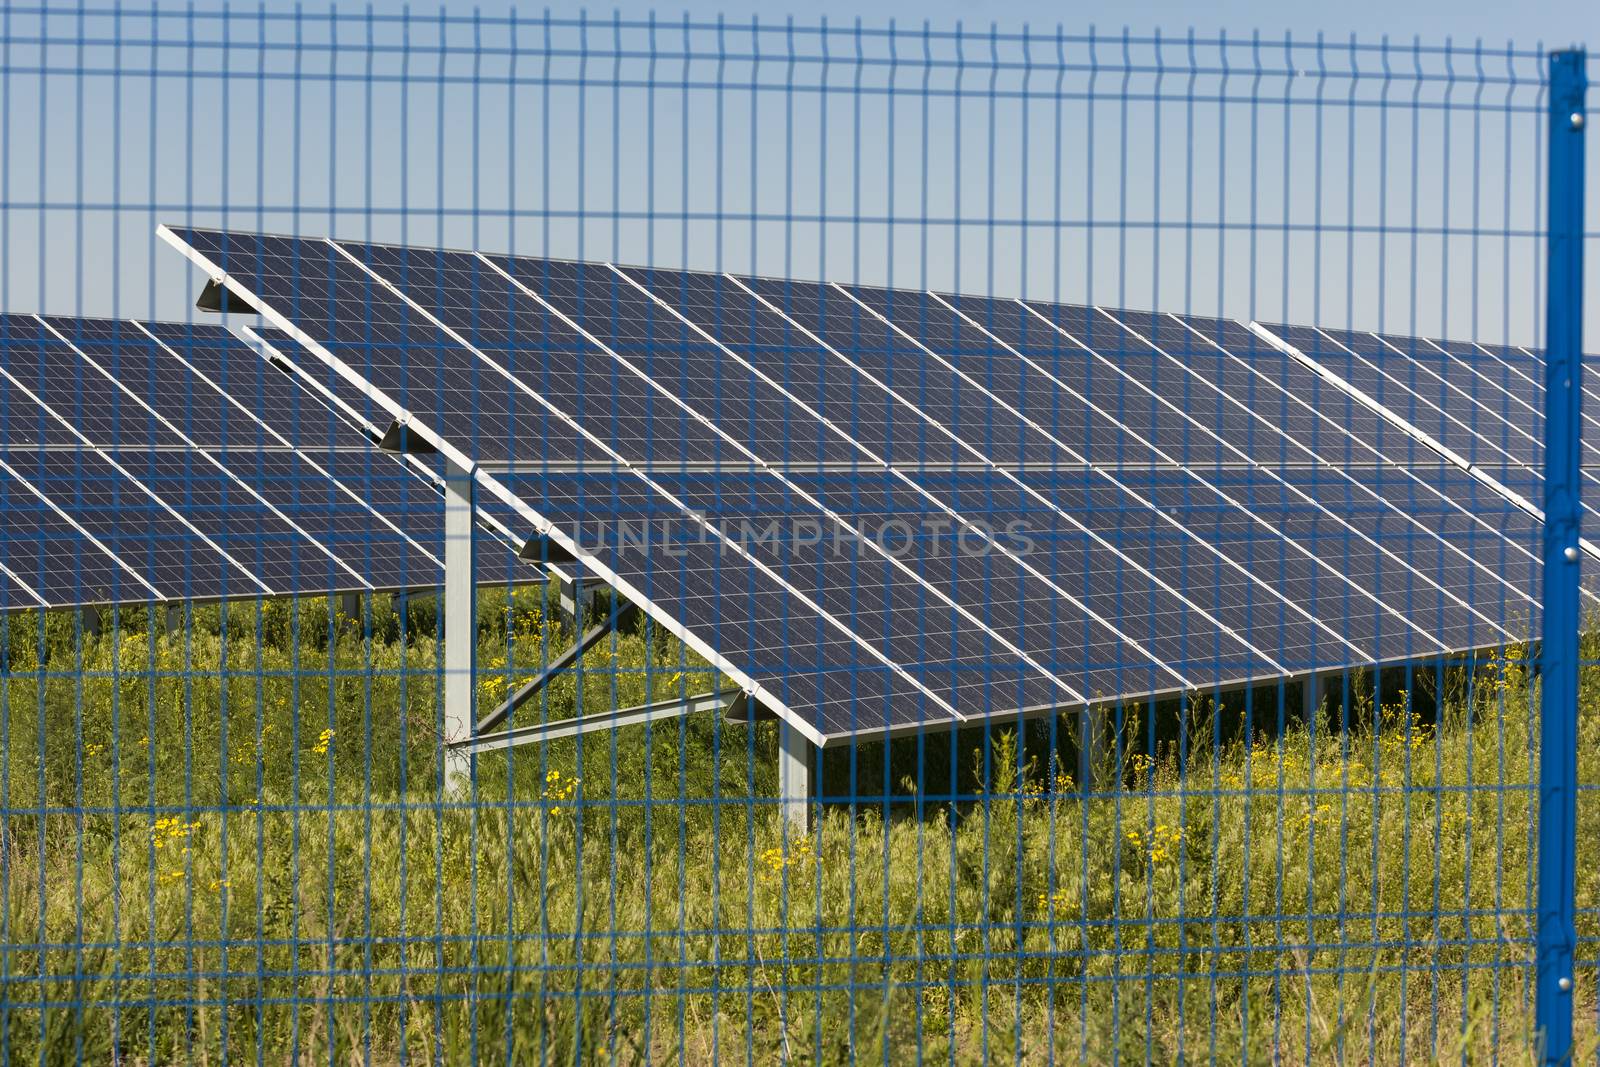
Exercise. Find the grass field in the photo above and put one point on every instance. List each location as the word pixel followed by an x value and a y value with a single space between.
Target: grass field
pixel 228 843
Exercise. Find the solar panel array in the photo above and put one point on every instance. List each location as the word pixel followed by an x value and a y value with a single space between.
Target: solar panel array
pixel 1129 504
pixel 168 461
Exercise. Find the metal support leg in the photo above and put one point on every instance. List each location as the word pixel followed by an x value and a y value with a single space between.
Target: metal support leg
pixel 794 777
pixel 350 609
pixel 1313 696
pixel 460 621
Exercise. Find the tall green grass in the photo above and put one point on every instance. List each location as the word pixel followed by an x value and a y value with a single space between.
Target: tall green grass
pixel 229 842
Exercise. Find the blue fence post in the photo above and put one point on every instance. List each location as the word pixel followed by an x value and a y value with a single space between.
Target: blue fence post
pixel 1558 713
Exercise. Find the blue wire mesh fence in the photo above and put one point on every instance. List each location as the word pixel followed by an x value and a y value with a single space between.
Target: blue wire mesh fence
pixel 533 538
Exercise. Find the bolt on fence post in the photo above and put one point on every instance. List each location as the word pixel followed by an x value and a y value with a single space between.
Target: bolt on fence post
pixel 1558 712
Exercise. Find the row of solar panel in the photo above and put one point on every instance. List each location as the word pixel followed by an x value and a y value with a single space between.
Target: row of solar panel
pixel 145 461
pixel 1203 507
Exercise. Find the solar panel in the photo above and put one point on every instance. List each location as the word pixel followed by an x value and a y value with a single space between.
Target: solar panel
pixel 763 418
pixel 133 475
pixel 1376 462
pixel 1396 384
pixel 1159 379
pixel 49 559
pixel 1457 420
pixel 998 641
pixel 1196 516
pixel 100 498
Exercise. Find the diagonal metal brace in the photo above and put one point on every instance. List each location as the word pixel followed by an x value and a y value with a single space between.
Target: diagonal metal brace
pixel 613 620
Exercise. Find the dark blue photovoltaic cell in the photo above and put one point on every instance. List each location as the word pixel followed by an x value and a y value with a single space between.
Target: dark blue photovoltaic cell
pixel 1522 373
pixel 1466 397
pixel 1429 555
pixel 197 413
pixel 316 379
pixel 411 487
pixel 1134 382
pixel 1049 535
pixel 401 496
pixel 1472 519
pixel 638 414
pixel 1324 420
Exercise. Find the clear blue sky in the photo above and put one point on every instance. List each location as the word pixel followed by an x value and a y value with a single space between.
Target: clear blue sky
pixel 1281 201
pixel 1553 23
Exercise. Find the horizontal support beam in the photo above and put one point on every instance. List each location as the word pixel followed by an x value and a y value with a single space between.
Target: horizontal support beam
pixel 601 720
